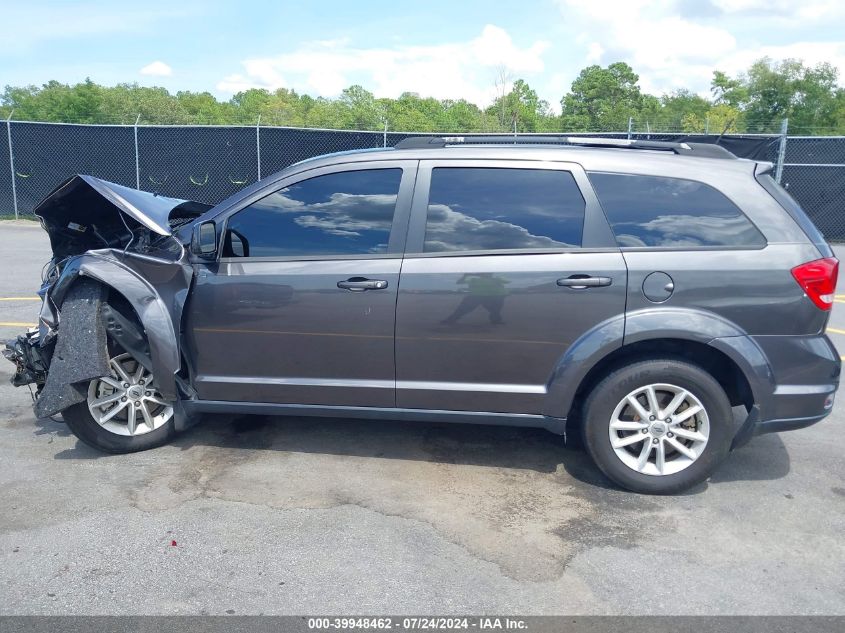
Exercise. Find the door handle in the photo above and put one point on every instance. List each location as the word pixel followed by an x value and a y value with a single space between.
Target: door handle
pixel 580 282
pixel 360 284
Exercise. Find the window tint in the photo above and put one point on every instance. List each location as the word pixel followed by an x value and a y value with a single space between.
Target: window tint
pixel 349 212
pixel 479 208
pixel 655 211
pixel 793 208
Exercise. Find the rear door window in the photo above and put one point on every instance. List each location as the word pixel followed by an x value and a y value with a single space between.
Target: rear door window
pixel 653 211
pixel 492 208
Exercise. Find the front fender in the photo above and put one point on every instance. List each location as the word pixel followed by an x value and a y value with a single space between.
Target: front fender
pixel 151 308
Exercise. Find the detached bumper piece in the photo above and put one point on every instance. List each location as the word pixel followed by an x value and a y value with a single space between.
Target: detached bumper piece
pixel 81 349
pixel 30 360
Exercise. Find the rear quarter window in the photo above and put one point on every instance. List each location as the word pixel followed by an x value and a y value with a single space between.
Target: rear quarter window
pixel 653 211
pixel 792 207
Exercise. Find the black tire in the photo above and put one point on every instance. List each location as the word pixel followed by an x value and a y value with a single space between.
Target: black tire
pixel 602 401
pixel 81 422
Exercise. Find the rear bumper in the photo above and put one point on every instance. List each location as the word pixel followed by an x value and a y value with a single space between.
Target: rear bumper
pixel 805 372
pixel 753 425
pixel 788 424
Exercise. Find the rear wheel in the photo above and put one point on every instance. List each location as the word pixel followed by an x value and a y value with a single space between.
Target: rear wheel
pixel 124 412
pixel 658 426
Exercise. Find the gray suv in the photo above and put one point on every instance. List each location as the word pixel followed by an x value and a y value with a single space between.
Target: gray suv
pixel 639 293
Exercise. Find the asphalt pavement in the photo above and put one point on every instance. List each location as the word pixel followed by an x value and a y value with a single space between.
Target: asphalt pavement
pixel 306 516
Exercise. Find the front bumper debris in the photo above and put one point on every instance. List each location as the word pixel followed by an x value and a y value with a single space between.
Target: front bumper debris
pixel 31 361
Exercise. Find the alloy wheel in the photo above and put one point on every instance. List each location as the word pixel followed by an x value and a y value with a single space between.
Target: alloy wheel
pixel 659 429
pixel 127 402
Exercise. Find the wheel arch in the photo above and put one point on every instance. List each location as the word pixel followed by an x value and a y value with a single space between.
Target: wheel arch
pixel 148 306
pixel 715 362
pixel 703 338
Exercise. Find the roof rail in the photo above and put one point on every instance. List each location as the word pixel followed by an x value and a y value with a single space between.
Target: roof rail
pixel 703 150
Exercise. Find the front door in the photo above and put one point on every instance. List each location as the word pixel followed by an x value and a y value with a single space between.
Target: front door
pixel 300 307
pixel 508 263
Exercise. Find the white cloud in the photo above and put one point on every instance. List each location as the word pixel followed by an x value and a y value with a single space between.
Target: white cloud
pixel 812 53
pixel 678 43
pixel 594 52
pixel 784 9
pixel 445 71
pixel 157 69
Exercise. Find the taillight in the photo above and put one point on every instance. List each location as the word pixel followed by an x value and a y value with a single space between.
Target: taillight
pixel 818 279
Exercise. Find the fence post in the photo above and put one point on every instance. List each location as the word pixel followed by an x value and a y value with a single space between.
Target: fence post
pixel 630 125
pixel 258 145
pixel 137 162
pixel 784 127
pixel 384 140
pixel 12 163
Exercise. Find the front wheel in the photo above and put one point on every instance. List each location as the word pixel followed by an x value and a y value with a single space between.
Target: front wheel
pixel 124 412
pixel 658 426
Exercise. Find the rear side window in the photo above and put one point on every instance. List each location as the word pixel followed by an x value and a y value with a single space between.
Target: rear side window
pixel 671 212
pixel 481 208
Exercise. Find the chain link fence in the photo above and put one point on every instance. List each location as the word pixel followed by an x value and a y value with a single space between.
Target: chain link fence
pixel 814 174
pixel 209 163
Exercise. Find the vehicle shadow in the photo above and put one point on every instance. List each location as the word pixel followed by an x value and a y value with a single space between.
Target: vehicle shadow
pixel 466 444
pixel 765 458
pixel 51 426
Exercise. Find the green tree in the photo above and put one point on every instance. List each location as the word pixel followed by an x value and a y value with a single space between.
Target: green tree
pixel 202 107
pixel 124 102
pixel 680 108
pixel 520 109
pixel 773 90
pixel 727 90
pixel 602 99
pixel 359 109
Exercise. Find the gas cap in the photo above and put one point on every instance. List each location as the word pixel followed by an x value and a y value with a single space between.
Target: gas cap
pixel 658 287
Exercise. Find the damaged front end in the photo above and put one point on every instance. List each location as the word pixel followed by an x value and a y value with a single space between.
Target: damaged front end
pixel 118 279
pixel 30 359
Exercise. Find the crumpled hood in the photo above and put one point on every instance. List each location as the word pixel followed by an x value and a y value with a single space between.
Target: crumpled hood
pixel 85 212
pixel 73 201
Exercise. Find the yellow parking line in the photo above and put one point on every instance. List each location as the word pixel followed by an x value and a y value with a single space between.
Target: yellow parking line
pixel 839 300
pixel 20 298
pixel 15 324
pixel 835 331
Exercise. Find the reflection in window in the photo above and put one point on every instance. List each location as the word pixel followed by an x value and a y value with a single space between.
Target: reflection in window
pixel 480 208
pixel 348 212
pixel 656 211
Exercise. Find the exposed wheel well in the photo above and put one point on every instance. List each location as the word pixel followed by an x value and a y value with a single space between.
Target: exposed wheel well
pixel 716 363
pixel 120 303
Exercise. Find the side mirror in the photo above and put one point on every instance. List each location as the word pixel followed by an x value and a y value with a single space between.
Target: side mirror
pixel 204 242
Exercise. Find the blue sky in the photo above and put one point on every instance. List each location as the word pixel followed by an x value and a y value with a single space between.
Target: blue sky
pixel 446 49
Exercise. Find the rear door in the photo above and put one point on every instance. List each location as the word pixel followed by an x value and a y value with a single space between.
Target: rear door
pixel 507 263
